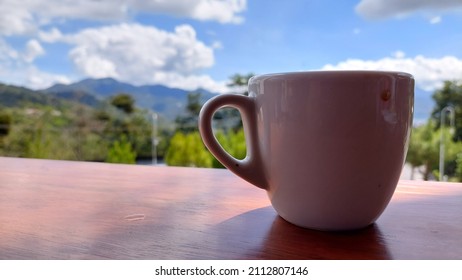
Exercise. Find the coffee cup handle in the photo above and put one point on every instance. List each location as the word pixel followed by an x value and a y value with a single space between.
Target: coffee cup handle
pixel 249 168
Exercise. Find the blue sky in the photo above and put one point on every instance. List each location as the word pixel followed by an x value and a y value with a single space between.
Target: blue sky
pixel 201 43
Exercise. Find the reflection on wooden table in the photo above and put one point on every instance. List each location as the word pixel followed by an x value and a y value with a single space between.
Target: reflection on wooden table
pixel 80 210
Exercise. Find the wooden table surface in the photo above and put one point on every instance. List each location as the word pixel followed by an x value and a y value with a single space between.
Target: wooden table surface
pixel 80 210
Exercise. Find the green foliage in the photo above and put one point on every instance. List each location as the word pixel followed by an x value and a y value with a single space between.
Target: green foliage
pixel 40 145
pixel 73 131
pixel 230 118
pixel 239 82
pixel 194 105
pixel 187 150
pixel 124 102
pixel 46 126
pixel 121 151
pixel 424 150
pixel 12 96
pixel 458 171
pixel 449 95
pixel 5 123
pixel 233 142
pixel 188 122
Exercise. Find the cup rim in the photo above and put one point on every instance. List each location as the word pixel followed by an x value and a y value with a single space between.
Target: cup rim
pixel 324 73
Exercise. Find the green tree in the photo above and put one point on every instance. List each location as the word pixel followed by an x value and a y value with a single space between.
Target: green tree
pixel 193 106
pixel 73 131
pixel 135 126
pixel 230 118
pixel 424 150
pixel 188 122
pixel 40 145
pixel 121 152
pixel 233 142
pixel 449 95
pixel 124 102
pixel 5 123
pixel 458 171
pixel 188 150
pixel 239 83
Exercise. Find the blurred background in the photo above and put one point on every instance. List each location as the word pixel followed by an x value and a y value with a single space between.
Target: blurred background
pixel 123 81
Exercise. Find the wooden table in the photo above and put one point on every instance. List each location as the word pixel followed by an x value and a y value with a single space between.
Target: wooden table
pixel 80 210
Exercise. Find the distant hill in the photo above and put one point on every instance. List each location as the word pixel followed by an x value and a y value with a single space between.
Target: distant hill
pixel 77 96
pixel 14 96
pixel 169 102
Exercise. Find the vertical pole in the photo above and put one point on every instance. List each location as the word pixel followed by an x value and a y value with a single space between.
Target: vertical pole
pixel 154 139
pixel 442 148
pixel 451 112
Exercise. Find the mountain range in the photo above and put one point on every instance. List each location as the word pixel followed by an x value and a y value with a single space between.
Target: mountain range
pixel 168 102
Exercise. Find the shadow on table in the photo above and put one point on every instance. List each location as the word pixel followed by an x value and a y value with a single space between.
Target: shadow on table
pixel 408 229
pixel 262 234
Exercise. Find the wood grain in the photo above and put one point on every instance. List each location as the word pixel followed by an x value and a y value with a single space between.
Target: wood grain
pixel 80 210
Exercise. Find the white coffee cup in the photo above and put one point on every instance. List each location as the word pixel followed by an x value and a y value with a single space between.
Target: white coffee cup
pixel 327 146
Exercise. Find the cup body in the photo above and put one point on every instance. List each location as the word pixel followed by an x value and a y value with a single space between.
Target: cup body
pixel 328 146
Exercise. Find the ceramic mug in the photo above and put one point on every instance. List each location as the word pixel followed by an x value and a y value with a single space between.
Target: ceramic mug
pixel 327 146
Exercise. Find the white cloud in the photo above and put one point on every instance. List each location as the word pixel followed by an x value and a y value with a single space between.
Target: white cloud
pixel 191 82
pixel 17 67
pixel 30 76
pixel 93 65
pixel 435 20
pixel 15 19
pixel 129 52
pixel 399 54
pixel 27 16
pixel 223 11
pixel 141 55
pixel 429 73
pixel 36 79
pixel 33 50
pixel 379 9
pixel 50 36
pixel 7 53
pixel 217 45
